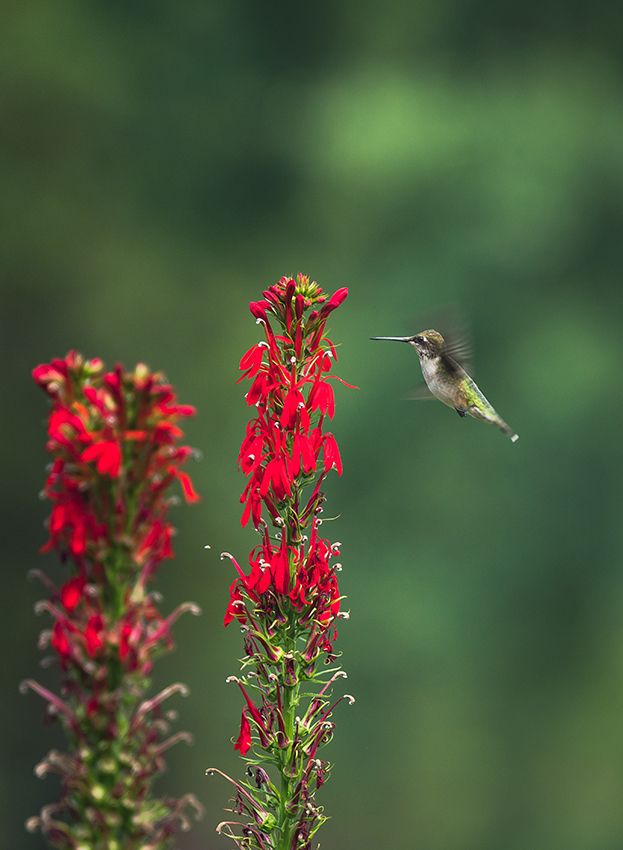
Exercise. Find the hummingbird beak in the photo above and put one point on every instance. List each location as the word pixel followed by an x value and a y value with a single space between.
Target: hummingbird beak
pixel 394 338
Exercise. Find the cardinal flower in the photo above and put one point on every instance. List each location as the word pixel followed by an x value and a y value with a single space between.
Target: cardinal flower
pixel 289 600
pixel 114 444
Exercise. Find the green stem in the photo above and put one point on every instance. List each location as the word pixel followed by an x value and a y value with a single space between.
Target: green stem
pixel 287 819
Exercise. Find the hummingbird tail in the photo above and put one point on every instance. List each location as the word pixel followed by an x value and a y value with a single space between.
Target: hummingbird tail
pixel 506 429
pixel 488 414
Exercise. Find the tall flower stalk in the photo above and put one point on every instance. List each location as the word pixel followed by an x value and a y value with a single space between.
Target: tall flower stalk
pixel 288 604
pixel 114 441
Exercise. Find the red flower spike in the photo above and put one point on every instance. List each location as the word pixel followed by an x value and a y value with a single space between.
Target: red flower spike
pixel 113 438
pixel 288 602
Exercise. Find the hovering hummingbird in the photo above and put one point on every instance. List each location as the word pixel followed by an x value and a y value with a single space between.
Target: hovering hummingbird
pixel 443 363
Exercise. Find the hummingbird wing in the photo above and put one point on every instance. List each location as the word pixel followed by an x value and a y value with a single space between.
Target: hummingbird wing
pixel 421 393
pixel 460 351
pixel 457 339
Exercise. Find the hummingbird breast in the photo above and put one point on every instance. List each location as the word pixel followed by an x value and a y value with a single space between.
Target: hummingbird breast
pixel 442 385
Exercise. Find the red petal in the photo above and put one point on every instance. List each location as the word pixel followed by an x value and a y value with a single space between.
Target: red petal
pixel 71 593
pixel 190 493
pixel 243 742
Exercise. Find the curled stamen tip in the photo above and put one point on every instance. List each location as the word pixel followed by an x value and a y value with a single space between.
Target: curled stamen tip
pixel 341 674
pixel 350 699
pixel 25 685
pixel 32 824
pixel 40 606
pixel 210 771
pixel 207 546
pixel 41 769
pixel 231 679
pixel 226 555
pixel 150 704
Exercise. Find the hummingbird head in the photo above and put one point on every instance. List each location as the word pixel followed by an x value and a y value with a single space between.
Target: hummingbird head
pixel 428 344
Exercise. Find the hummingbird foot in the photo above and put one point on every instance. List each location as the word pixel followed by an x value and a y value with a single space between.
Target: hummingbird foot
pixel 460 411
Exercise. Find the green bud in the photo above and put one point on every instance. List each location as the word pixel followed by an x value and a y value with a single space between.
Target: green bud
pixel 269 822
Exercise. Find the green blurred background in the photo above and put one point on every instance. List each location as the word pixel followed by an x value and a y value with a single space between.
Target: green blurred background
pixel 163 162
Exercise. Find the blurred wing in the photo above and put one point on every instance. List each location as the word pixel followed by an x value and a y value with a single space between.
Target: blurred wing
pixel 419 394
pixel 460 351
pixel 458 344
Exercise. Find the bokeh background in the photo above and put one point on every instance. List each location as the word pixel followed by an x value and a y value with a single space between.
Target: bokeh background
pixel 162 163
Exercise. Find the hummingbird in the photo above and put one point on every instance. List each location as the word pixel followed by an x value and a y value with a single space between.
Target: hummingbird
pixel 442 362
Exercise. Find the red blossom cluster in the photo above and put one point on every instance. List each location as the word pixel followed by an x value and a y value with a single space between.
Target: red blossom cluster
pixel 114 442
pixel 111 434
pixel 285 449
pixel 312 591
pixel 288 603
pixel 284 443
